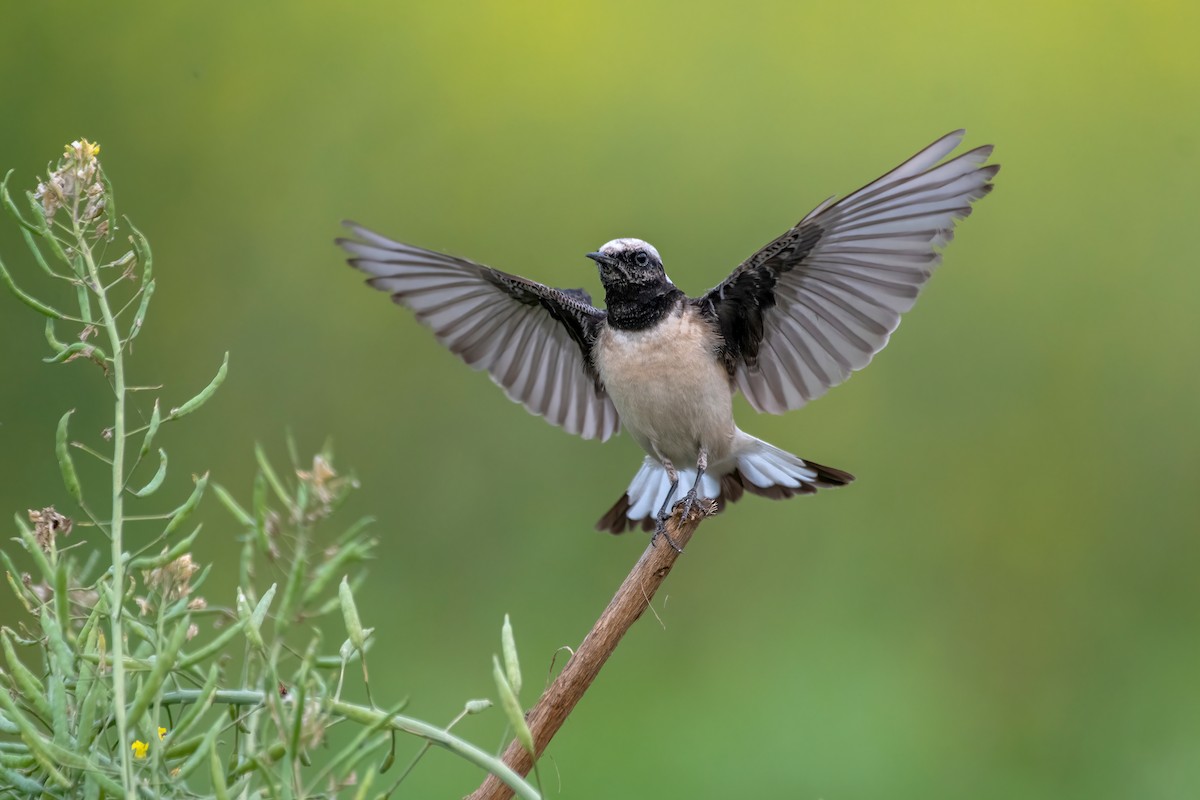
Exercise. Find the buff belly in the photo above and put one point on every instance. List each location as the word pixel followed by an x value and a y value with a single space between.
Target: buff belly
pixel 673 395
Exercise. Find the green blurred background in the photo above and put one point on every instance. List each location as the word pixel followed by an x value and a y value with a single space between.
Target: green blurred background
pixel 1005 605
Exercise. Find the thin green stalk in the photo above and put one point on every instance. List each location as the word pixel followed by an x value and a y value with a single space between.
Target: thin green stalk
pixel 118 495
pixel 441 737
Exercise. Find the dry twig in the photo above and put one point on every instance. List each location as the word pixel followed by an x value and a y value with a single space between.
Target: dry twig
pixel 630 601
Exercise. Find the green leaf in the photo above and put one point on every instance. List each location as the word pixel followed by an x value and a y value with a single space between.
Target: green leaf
pixel 110 203
pixel 51 339
pixel 65 464
pixel 152 428
pixel 38 745
pixel 260 611
pixel 220 789
pixel 79 350
pixel 232 506
pixel 213 647
pixel 81 289
pixel 205 394
pixel 91 690
pixel 12 207
pixel 184 511
pixel 350 615
pixel 254 618
pixel 164 661
pixel 167 556
pixel 139 319
pixel 512 708
pixel 37 254
pixel 200 756
pixel 155 482
pixel 141 248
pixel 32 690
pixel 261 512
pixel 269 473
pixel 17 781
pixel 512 667
pixel 28 299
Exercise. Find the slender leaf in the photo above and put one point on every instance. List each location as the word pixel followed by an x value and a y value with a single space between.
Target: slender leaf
pixel 65 464
pixel 159 475
pixel 205 394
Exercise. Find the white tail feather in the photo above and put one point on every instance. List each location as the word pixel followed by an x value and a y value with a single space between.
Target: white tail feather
pixel 650 485
pixel 765 465
pixel 761 464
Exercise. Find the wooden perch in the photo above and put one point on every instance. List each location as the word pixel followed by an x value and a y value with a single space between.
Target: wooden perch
pixel 631 599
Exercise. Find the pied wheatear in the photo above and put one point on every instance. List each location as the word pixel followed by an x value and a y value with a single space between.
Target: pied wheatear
pixel 792 320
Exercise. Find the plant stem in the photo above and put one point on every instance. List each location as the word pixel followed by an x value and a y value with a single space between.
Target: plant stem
pixel 504 775
pixel 556 703
pixel 118 487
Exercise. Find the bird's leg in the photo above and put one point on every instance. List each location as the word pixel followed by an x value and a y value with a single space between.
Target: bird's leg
pixel 689 499
pixel 660 519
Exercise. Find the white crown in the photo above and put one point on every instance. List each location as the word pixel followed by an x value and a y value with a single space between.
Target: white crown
pixel 617 246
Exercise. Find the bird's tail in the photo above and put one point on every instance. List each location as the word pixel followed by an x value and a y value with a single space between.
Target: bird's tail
pixel 757 467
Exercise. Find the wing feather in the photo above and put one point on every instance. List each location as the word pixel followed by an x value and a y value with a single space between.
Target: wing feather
pixel 820 301
pixel 534 341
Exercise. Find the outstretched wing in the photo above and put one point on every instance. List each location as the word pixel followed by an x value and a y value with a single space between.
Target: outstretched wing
pixel 534 341
pixel 817 303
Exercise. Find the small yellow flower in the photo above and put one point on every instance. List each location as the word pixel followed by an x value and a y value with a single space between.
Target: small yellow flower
pixel 82 149
pixel 139 748
pixel 161 733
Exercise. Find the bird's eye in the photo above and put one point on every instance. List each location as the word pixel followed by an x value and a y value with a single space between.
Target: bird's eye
pixel 642 260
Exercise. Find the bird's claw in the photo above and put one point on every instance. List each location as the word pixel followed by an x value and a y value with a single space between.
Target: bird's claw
pixel 689 504
pixel 660 529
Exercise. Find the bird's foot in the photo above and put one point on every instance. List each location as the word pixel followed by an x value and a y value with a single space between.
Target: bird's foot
pixel 692 503
pixel 660 529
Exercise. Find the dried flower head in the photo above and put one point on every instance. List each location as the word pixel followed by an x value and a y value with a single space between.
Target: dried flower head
pixel 77 178
pixel 47 525
pixel 173 579
pixel 192 630
pixel 327 487
pixel 321 478
pixel 312 724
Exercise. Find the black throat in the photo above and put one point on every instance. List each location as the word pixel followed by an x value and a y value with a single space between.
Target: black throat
pixel 637 306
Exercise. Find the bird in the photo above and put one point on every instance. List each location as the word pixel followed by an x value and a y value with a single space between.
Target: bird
pixel 794 319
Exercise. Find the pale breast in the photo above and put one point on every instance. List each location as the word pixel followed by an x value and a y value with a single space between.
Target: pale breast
pixel 670 389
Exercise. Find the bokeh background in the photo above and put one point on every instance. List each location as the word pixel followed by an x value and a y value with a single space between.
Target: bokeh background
pixel 1006 604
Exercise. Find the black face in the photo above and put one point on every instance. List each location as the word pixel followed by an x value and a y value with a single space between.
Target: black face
pixel 634 265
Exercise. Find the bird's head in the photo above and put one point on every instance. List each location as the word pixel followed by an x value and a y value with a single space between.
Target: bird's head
pixel 626 263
